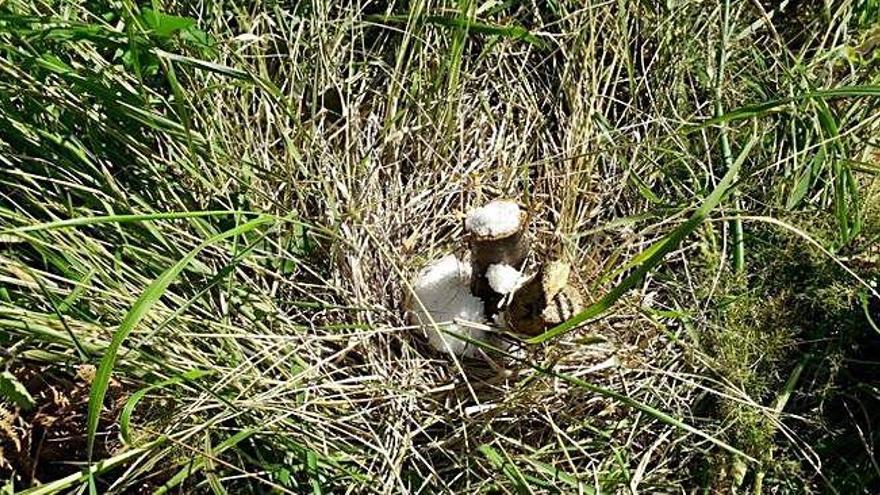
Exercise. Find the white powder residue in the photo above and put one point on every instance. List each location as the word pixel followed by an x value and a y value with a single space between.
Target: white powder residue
pixel 497 218
pixel 443 288
pixel 503 278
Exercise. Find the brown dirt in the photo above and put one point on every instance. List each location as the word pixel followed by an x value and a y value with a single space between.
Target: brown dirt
pixel 48 441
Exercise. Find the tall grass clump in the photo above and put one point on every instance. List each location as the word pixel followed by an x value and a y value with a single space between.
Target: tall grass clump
pixel 210 212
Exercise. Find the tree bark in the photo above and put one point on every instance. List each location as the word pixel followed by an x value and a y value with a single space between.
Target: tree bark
pixel 547 299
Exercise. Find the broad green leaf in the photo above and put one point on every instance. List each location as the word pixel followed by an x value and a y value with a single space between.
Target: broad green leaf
pixel 12 390
pixel 164 25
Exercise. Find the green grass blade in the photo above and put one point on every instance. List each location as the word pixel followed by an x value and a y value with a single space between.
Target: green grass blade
pixel 606 392
pixel 63 484
pixel 131 403
pixel 205 65
pixel 312 470
pixel 506 466
pixel 557 474
pixel 658 251
pixel 117 219
pixel 759 109
pixel 645 408
pixel 135 315
pixel 199 463
pixel 80 350
pixel 867 310
pixel 463 22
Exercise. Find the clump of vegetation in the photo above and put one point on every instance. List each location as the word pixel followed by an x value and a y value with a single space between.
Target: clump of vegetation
pixel 210 212
pixel 797 317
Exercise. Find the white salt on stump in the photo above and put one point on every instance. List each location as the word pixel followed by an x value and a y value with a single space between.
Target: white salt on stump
pixel 443 289
pixel 499 218
pixel 503 278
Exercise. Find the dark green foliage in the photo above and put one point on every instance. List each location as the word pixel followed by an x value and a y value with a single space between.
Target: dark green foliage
pixel 796 306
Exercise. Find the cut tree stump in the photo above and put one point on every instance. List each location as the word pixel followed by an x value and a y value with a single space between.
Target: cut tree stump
pixel 547 299
pixel 496 234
